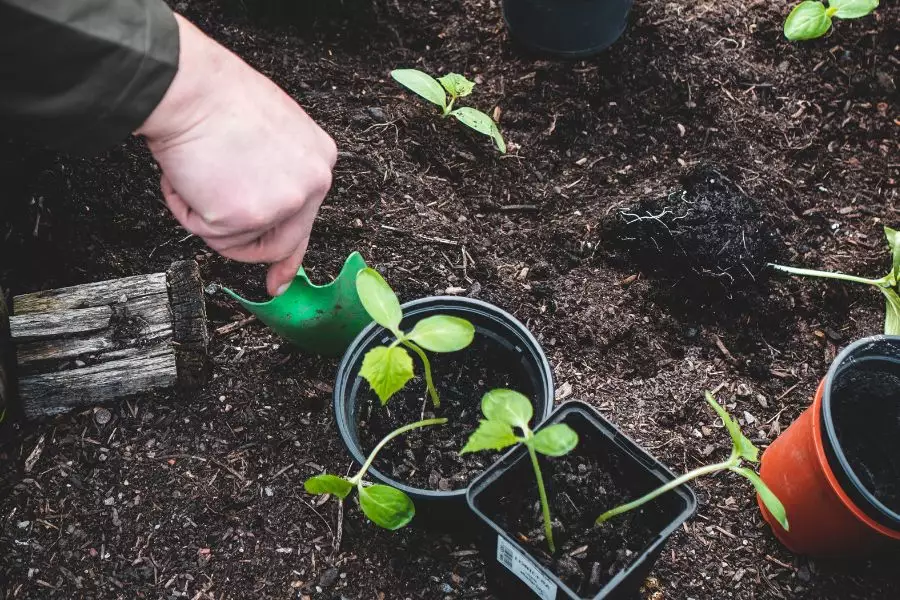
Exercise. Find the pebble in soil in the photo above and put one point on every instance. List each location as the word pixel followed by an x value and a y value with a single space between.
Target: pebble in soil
pixel 580 486
pixel 866 413
pixel 709 232
pixel 429 457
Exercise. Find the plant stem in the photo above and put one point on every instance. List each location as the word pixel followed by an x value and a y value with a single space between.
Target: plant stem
pixel 827 275
pixel 707 470
pixel 545 506
pixel 429 383
pixel 399 431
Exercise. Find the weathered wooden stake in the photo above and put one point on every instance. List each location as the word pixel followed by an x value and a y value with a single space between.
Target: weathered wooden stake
pixel 99 342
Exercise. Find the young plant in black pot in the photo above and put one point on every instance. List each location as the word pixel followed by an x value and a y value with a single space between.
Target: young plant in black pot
pixel 457 86
pixel 388 368
pixel 742 450
pixel 426 463
pixel 385 506
pixel 605 468
pixel 887 285
pixel 505 413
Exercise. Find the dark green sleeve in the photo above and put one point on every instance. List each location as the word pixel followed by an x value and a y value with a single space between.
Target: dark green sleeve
pixel 81 75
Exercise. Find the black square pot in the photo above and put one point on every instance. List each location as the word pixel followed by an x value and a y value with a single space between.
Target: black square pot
pixel 514 573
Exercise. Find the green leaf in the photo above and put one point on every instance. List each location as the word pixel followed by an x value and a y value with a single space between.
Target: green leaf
pixel 807 21
pixel 744 447
pixel 891 312
pixel 422 84
pixel 456 85
pixel 386 507
pixel 442 333
pixel 481 123
pixel 387 370
pixel 852 9
pixel 507 406
pixel 328 484
pixel 893 239
pixel 555 440
pixel 379 299
pixel 773 504
pixel 490 435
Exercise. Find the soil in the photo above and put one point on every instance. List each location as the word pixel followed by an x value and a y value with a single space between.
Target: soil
pixel 580 486
pixel 201 496
pixel 708 238
pixel 429 458
pixel 866 412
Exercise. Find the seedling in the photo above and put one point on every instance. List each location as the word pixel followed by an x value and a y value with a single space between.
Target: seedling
pixel 385 506
pixel 388 368
pixel 457 86
pixel 742 450
pixel 505 410
pixel 810 19
pixel 888 285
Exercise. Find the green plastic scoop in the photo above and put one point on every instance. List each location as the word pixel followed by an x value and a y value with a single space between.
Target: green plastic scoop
pixel 319 319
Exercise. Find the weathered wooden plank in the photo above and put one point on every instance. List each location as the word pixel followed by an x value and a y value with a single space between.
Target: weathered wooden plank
pixel 152 369
pixel 42 353
pixel 130 336
pixel 90 295
pixel 190 333
pixel 68 323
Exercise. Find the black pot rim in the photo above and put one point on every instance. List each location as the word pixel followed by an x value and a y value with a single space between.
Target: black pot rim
pixel 414 308
pixel 837 459
pixel 566 54
pixel 493 473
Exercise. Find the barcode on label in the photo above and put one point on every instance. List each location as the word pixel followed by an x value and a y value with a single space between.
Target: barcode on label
pixel 521 566
pixel 504 554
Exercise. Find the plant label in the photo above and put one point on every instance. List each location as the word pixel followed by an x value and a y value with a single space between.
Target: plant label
pixel 522 567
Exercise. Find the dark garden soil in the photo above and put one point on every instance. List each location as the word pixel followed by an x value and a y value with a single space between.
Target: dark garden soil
pixel 866 413
pixel 201 496
pixel 580 486
pixel 709 238
pixel 428 458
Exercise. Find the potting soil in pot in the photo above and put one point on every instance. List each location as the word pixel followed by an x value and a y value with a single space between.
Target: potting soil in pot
pixel 580 486
pixel 429 458
pixel 866 412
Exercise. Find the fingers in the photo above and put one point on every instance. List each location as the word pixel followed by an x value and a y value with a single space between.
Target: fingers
pixel 272 246
pixel 282 273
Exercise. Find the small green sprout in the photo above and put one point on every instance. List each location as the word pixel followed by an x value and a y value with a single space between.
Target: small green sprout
pixel 505 409
pixel 436 90
pixel 385 506
pixel 388 368
pixel 810 19
pixel 887 285
pixel 742 450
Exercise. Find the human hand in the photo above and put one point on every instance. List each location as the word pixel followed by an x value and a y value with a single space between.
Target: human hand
pixel 244 167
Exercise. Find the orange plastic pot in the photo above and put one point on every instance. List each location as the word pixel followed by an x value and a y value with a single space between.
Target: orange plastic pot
pixel 830 512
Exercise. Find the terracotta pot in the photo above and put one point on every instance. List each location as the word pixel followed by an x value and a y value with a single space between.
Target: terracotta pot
pixel 831 513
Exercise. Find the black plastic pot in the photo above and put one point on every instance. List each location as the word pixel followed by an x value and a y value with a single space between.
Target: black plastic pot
pixel 435 506
pixel 566 28
pixel 514 573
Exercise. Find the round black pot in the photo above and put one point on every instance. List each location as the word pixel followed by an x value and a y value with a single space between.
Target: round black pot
pixel 866 358
pixel 566 28
pixel 439 506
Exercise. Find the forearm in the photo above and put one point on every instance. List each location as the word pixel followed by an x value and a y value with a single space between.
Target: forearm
pixel 82 75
